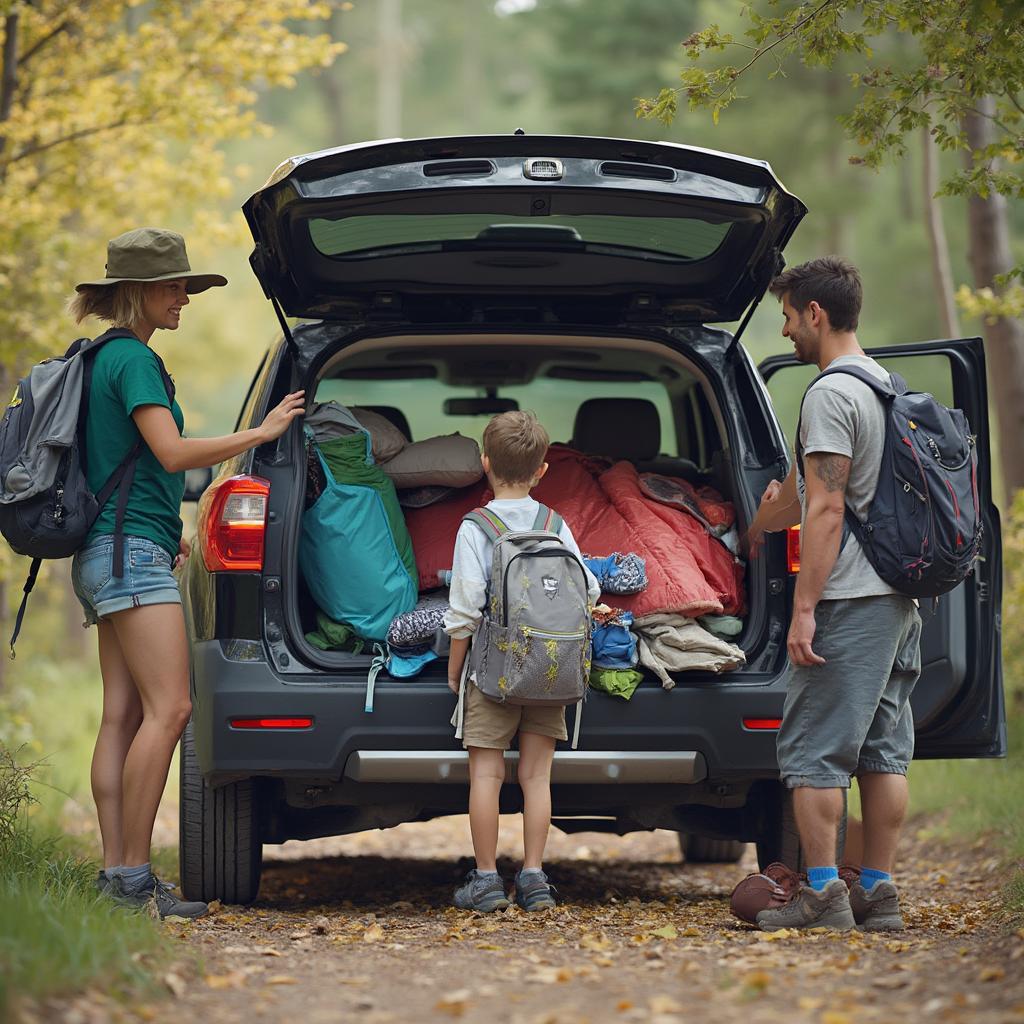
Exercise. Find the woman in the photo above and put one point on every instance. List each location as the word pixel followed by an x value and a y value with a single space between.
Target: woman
pixel 142 644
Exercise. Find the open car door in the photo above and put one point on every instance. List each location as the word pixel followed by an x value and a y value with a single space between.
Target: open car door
pixel 958 702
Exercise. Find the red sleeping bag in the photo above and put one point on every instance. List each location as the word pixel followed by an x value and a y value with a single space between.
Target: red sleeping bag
pixel 689 571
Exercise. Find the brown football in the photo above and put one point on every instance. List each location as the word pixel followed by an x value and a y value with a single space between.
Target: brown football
pixel 754 894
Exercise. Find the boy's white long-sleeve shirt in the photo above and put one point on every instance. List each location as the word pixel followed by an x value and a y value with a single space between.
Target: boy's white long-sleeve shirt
pixel 471 564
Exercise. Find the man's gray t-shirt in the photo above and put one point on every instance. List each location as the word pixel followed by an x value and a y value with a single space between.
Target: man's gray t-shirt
pixel 843 416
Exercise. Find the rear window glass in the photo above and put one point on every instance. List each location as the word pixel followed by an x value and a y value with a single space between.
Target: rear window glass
pixel 555 403
pixel 686 238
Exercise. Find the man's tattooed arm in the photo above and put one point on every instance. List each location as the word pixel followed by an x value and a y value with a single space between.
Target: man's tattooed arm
pixel 832 470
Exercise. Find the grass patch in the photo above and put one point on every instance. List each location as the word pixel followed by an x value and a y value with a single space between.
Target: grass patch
pixel 57 934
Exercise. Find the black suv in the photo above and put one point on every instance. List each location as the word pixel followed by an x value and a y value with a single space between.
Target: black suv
pixel 552 271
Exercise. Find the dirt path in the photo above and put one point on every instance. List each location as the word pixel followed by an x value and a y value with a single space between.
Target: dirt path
pixel 360 927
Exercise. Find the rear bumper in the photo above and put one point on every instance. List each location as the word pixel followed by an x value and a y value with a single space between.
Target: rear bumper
pixel 692 734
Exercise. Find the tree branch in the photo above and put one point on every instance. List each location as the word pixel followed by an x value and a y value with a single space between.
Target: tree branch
pixel 40 43
pixel 82 133
pixel 792 32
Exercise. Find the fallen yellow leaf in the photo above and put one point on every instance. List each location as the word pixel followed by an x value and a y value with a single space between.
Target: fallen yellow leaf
pixel 668 932
pixel 282 979
pixel 235 979
pixel 992 974
pixel 596 941
pixel 373 934
pixel 758 980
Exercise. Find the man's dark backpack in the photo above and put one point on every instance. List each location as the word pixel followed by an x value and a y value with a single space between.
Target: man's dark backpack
pixel 46 506
pixel 923 531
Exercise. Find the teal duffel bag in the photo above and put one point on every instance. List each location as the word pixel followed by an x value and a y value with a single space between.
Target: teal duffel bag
pixel 355 552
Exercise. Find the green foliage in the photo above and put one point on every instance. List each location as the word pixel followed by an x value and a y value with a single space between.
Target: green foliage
pixel 57 934
pixel 925 64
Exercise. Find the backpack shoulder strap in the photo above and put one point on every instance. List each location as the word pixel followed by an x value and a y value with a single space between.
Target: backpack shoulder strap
pixel 547 520
pixel 488 521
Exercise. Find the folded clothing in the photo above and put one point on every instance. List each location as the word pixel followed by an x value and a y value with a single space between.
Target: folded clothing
pixel 619 682
pixel 722 625
pixel 334 636
pixel 673 643
pixel 614 646
pixel 618 573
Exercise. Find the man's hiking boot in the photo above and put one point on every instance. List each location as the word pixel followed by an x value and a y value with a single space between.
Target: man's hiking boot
pixel 808 908
pixel 533 892
pixel 159 893
pixel 483 894
pixel 876 909
pixel 102 883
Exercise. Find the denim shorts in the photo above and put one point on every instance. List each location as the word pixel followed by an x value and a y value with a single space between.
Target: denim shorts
pixel 852 715
pixel 147 577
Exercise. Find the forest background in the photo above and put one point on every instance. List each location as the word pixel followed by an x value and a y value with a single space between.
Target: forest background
pixel 173 113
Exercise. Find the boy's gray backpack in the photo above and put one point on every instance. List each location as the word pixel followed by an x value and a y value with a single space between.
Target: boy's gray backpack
pixel 533 644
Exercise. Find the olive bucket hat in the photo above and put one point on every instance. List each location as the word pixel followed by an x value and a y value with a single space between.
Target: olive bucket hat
pixel 151 254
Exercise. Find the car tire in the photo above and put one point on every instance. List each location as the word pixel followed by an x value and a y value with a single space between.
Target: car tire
pixel 702 850
pixel 780 841
pixel 219 847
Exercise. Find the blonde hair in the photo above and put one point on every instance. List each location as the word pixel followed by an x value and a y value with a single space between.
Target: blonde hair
pixel 120 305
pixel 516 445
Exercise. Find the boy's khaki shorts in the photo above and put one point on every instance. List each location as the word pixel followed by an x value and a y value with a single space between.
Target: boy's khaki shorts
pixel 486 723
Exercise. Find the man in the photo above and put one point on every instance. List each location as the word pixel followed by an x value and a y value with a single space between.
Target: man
pixel 854 642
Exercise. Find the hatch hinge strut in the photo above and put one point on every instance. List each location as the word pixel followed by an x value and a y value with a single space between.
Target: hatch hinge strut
pixel 774 269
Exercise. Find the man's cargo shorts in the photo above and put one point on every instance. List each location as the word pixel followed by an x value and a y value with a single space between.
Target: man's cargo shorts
pixel 852 715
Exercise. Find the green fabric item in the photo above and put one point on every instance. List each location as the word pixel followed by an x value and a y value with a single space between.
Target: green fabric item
pixel 619 682
pixel 126 375
pixel 346 459
pixel 334 636
pixel 722 625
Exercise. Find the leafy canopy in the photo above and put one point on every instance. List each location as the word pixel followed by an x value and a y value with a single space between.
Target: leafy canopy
pixel 111 115
pixel 925 64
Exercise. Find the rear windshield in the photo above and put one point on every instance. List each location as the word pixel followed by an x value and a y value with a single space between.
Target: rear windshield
pixel 679 237
pixel 555 402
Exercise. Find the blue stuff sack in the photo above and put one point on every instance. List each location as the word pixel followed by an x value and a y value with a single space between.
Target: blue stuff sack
pixel 353 540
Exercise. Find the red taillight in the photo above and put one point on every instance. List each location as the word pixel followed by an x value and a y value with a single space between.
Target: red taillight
pixel 762 724
pixel 793 548
pixel 232 521
pixel 271 723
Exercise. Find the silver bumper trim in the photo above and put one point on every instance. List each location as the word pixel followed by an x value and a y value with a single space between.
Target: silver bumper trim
pixel 570 766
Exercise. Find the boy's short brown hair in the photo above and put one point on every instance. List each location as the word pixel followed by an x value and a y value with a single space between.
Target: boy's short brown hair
pixel 516 445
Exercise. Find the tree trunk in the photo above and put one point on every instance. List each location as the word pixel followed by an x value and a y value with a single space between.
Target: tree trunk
pixel 8 71
pixel 941 271
pixel 988 231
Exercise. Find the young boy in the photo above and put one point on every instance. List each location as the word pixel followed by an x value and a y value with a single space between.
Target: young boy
pixel 515 445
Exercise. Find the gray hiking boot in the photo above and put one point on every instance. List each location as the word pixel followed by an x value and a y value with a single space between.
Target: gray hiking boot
pixel 159 893
pixel 809 908
pixel 102 883
pixel 484 894
pixel 533 891
pixel 877 909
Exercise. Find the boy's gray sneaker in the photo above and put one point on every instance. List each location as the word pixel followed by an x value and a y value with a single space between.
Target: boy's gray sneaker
pixel 167 904
pixel 809 908
pixel 533 892
pixel 481 893
pixel 877 909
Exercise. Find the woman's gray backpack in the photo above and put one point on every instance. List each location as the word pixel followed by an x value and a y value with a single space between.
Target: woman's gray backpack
pixel 533 644
pixel 46 506
pixel 923 531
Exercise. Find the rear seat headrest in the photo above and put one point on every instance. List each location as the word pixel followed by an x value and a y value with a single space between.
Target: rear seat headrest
pixel 620 428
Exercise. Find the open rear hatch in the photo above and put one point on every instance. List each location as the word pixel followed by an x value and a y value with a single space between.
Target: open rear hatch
pixel 438 224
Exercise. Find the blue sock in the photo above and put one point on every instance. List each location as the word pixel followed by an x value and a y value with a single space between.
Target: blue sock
pixel 820 877
pixel 134 878
pixel 869 877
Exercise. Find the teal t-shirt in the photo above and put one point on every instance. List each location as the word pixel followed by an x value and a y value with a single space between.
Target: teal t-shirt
pixel 126 375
